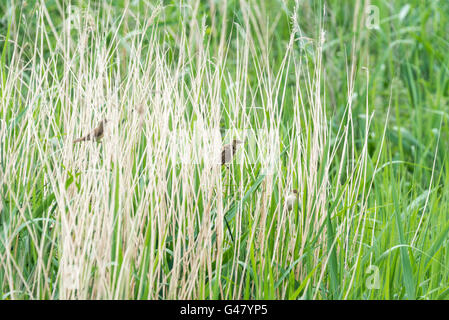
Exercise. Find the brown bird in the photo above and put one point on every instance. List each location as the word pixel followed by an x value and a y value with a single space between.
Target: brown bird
pixel 96 133
pixel 228 151
pixel 291 199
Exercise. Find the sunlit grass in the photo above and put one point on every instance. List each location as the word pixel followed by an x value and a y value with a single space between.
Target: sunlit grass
pixel 355 119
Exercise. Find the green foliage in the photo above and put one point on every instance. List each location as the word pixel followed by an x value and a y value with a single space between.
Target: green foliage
pixel 386 186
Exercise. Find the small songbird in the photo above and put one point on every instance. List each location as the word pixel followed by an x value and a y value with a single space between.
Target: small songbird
pixel 291 199
pixel 96 133
pixel 228 151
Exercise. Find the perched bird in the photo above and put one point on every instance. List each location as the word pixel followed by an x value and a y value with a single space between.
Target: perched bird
pixel 96 133
pixel 228 151
pixel 291 199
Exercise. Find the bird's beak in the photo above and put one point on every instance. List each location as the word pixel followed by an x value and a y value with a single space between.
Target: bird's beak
pixel 238 141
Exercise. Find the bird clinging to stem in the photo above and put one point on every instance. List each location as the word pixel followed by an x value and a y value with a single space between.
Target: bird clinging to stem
pixel 96 133
pixel 291 199
pixel 228 151
pixel 227 154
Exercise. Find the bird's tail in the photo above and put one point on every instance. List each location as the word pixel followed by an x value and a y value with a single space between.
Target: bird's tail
pixel 79 140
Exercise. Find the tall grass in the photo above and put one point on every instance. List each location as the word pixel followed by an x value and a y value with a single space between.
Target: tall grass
pixel 147 214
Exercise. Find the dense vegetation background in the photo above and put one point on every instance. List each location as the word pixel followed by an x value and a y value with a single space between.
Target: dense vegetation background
pixel 361 114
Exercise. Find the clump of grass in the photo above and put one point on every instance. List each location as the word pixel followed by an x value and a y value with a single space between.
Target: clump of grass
pixel 142 213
